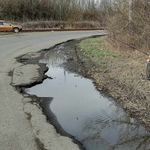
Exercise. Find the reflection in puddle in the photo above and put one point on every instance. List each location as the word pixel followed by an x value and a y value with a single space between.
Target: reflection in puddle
pixel 83 112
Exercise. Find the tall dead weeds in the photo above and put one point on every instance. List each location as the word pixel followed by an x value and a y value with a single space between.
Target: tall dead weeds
pixel 136 31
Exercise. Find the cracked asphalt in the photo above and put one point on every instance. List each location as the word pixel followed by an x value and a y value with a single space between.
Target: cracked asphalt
pixel 22 124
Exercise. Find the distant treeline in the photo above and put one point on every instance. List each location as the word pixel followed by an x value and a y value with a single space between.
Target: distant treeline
pixel 66 10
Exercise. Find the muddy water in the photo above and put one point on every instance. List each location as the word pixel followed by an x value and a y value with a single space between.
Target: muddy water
pixel 91 117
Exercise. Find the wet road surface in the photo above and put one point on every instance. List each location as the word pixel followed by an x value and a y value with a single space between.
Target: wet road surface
pixel 91 117
pixel 21 122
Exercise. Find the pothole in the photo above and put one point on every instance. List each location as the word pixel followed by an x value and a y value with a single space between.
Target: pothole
pixel 93 118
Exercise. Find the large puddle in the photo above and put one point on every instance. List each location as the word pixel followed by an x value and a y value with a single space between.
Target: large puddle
pixel 92 118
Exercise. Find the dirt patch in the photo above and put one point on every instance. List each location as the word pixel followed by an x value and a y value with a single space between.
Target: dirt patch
pixel 120 72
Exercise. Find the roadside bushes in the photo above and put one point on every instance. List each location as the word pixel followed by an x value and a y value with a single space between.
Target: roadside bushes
pixel 57 24
pixel 66 10
pixel 133 29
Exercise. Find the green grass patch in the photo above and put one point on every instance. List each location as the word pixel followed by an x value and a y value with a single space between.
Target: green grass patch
pixel 111 55
pixel 94 47
pixel 102 62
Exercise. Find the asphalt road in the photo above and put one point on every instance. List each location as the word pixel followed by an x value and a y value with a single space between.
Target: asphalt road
pixel 22 124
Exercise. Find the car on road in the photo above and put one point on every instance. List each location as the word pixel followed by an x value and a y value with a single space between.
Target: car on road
pixel 5 26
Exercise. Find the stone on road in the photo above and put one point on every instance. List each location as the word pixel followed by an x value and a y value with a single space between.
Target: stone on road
pixel 25 74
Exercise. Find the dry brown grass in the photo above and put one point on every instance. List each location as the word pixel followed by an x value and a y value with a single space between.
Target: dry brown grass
pixel 57 25
pixel 137 31
pixel 123 77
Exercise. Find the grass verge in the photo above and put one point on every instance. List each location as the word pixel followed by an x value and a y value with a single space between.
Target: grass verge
pixel 120 71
